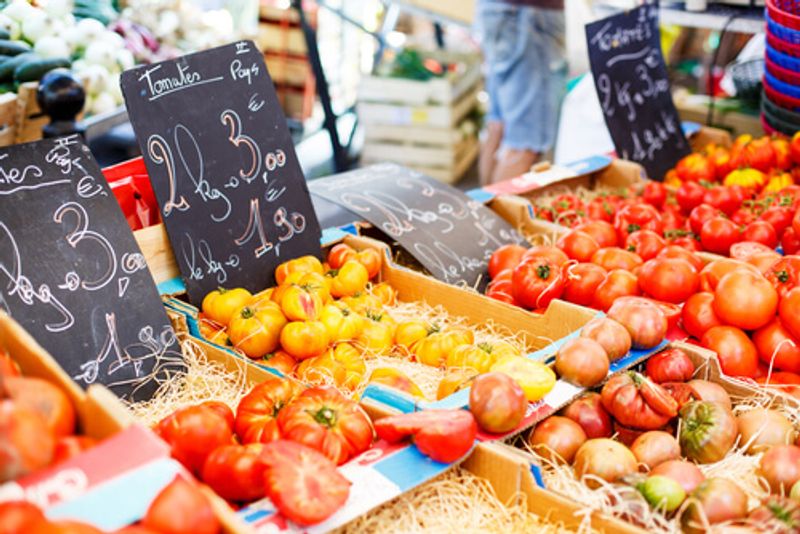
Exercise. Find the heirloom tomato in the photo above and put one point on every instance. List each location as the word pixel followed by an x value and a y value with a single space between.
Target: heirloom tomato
pixel 220 304
pixel 470 356
pixel 235 472
pixel 378 333
pixel 386 294
pixel 604 458
pixel 497 402
pixel 612 336
pixel 443 435
pixel 342 323
pixel 589 413
pixel 557 439
pixel 583 280
pixel 371 260
pixel 44 398
pixel 28 442
pixel 695 168
pixel 303 264
pixel 715 500
pixel 279 360
pixel 644 320
pixel 535 378
pixel 181 508
pixel 434 349
pixel 505 257
pixel 582 361
pixel 396 379
pixel 637 402
pixel 301 303
pixel 323 419
pixel 256 330
pixel 708 431
pixel 350 279
pixel 342 365
pixel 304 339
pixel 671 365
pixel 409 332
pixel 339 254
pixel 304 485
pixel 737 355
pixel 257 411
pixel 536 282
pixel 193 432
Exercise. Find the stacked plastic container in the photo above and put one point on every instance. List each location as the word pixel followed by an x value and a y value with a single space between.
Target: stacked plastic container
pixel 780 107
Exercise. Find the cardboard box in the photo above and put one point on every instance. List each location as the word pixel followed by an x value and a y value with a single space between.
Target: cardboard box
pixel 95 486
pixel 512 470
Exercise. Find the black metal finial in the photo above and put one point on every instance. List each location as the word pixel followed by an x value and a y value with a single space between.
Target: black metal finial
pixel 61 97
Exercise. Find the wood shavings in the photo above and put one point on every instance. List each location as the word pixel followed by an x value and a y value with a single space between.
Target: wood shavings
pixel 204 380
pixel 457 502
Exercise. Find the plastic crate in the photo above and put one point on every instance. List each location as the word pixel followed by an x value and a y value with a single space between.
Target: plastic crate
pixel 784 101
pixel 781 31
pixel 785 12
pixel 783 74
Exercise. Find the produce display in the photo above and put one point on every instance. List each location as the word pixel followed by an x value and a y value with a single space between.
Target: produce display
pixel 709 201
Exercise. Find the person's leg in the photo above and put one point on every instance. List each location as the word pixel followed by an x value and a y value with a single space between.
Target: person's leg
pixel 489 148
pixel 531 92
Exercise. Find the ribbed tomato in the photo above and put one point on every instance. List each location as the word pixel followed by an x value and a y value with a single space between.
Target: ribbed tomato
pixel 256 415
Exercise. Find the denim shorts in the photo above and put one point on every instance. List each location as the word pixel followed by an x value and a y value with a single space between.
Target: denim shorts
pixel 526 69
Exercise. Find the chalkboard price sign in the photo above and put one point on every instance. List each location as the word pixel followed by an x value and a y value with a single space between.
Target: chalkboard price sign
pixel 450 234
pixel 634 91
pixel 72 274
pixel 223 166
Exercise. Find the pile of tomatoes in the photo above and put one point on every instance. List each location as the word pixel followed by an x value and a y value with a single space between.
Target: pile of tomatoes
pixel 646 438
pixel 709 202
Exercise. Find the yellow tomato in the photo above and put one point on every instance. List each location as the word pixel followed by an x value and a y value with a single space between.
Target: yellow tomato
pixel 219 305
pixel 321 370
pixel 263 295
pixel 301 303
pixel 353 362
pixel 363 302
pixel 371 260
pixel 396 379
pixel 470 357
pixel 256 330
pixel 305 264
pixel 343 324
pixel 350 279
pixel 777 182
pixel 212 331
pixel 317 283
pixel 455 380
pixel 535 378
pixel 304 339
pixel 378 333
pixel 279 360
pixel 385 293
pixel 745 177
pixel 409 332
pixel 434 349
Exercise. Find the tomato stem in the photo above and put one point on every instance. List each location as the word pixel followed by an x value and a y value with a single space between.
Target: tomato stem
pixel 324 416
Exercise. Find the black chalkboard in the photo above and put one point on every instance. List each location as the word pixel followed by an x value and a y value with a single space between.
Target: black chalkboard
pixel 450 234
pixel 223 167
pixel 72 274
pixel 634 91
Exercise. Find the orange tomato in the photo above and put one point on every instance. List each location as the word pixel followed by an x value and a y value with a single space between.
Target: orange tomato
pixel 363 302
pixel 350 279
pixel 342 323
pixel 317 283
pixel 396 379
pixel 305 264
pixel 279 360
pixel 257 411
pixel 256 330
pixel 434 349
pixel 211 330
pixel 339 254
pixel 342 365
pixel 479 357
pixel 371 260
pixel 378 333
pixel 456 379
pixel 304 339
pixel 409 332
pixel 301 303
pixel 221 304
pixel 385 293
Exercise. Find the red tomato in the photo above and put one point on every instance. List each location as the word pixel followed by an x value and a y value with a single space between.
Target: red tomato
pixel 602 208
pixel 536 282
pixel 578 245
pixel 669 279
pixel 790 303
pixel 553 254
pixel 501 289
pixel 790 242
pixel 689 196
pixel 41 396
pixel 602 232
pixel 582 282
pixel 776 346
pixel 67 447
pixel 505 257
pixel 497 402
pixel 743 216
pixel 698 314
pixel 443 435
pixel 611 258
pixel 192 433
pixel 745 299
pixel 181 508
pixel 631 218
pixel 780 217
pixel 718 235
pixel 675 251
pixel 618 283
pixel 8 367
pixel 761 232
pixel 700 215
pixel 686 242
pixel 323 419
pixel 743 250
pixel 671 365
pixel 654 193
pixel 784 274
pixel 339 254
pixel 589 413
pixel 672 219
pixel 304 485
pixel 235 472
pixel 257 413
pixel 646 243
pixel 723 198
pixel 17 517
pixel 567 203
pixel 712 273
pixel 796 222
pixel 736 353
pixel 62 527
pixel 637 402
pixel 27 441
pixel 222 409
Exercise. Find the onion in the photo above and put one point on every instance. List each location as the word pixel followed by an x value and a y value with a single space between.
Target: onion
pixel 780 467
pixel 557 438
pixel 761 428
pixel 714 501
pixel 614 338
pixel 687 474
pixel 709 391
pixel 655 447
pixel 604 458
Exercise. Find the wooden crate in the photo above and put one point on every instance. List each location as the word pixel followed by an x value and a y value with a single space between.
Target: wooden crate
pixel 30 117
pixel 8 119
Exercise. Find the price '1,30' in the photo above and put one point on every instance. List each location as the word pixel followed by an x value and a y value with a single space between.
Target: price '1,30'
pixel 289 225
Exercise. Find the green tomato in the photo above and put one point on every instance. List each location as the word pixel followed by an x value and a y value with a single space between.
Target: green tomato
pixel 662 492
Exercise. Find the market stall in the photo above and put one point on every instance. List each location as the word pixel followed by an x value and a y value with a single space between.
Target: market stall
pixel 203 340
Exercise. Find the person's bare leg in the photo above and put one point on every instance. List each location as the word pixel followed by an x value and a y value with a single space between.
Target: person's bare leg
pixel 513 163
pixel 489 148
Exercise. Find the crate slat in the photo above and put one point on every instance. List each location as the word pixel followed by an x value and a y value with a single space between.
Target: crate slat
pixel 442 116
